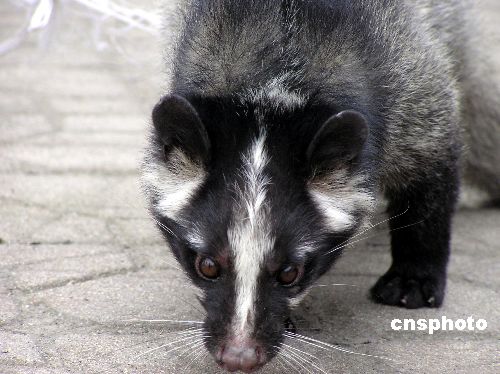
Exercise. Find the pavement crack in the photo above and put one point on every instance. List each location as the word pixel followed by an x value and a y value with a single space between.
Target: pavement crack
pixel 84 279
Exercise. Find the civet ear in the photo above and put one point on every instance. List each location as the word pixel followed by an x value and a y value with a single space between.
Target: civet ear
pixel 339 140
pixel 178 124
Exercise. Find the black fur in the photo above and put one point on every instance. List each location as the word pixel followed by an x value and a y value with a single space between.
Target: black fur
pixel 420 241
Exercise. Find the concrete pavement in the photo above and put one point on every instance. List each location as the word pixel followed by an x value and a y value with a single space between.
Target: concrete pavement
pixel 79 257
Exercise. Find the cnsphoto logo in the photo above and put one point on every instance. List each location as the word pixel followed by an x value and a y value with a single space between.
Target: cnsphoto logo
pixel 443 324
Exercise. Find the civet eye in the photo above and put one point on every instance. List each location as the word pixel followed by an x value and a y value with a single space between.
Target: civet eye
pixel 289 275
pixel 207 268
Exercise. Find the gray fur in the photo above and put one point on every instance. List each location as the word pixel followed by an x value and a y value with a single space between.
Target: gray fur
pixel 437 82
pixel 459 25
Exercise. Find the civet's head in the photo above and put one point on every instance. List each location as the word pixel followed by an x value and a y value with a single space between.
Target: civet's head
pixel 253 201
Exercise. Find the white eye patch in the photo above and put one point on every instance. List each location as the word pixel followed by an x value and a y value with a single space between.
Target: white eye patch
pixel 338 197
pixel 173 182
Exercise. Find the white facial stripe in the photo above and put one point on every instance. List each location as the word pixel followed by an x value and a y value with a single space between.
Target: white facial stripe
pixel 249 236
pixel 173 182
pixel 339 196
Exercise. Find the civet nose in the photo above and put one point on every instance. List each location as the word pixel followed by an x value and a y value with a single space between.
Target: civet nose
pixel 246 356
